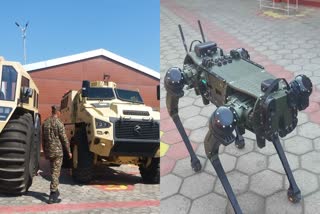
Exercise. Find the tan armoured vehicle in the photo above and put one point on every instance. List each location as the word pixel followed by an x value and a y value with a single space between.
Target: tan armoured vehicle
pixel 112 126
pixel 19 128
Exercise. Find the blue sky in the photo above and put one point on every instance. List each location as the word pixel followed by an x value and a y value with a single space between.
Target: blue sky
pixel 129 28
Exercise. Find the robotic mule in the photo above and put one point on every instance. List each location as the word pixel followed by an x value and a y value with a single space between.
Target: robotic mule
pixel 246 96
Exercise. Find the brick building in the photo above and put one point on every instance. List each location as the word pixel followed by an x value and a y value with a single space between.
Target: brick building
pixel 57 76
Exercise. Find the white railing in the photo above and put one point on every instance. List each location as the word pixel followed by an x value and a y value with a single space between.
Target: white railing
pixel 279 5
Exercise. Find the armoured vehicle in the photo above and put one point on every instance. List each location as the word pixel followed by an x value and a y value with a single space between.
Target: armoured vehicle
pixel 247 98
pixel 19 128
pixel 109 125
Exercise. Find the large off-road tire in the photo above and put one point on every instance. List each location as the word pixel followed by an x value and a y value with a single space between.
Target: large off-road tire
pixel 15 148
pixel 82 171
pixel 151 174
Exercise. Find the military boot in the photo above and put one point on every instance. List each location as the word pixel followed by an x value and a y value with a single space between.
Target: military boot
pixel 54 197
pixel 50 201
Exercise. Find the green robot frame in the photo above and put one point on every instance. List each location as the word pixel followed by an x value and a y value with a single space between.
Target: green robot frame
pixel 247 98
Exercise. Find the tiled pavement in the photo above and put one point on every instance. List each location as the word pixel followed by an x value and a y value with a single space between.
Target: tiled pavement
pixel 114 190
pixel 286 46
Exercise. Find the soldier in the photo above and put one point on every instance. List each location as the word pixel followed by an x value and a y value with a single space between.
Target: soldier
pixel 54 141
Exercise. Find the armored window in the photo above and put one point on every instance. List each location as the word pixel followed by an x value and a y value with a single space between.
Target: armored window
pixel 127 95
pixel 100 94
pixel 158 92
pixel 64 103
pixel 8 83
pixel 25 83
pixel 36 100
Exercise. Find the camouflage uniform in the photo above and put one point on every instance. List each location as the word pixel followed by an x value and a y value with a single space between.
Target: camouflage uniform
pixel 54 141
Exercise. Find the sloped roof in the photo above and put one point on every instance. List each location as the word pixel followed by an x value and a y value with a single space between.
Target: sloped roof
pixel 87 55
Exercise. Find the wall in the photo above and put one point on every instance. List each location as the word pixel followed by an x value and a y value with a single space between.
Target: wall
pixel 55 81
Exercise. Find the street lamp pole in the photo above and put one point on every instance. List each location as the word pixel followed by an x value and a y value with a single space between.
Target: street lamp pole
pixel 23 32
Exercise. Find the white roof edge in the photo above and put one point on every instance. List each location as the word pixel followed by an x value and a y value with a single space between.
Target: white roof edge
pixel 91 54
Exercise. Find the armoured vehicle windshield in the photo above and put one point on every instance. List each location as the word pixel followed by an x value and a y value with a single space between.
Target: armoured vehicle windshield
pixel 8 83
pixel 100 94
pixel 127 95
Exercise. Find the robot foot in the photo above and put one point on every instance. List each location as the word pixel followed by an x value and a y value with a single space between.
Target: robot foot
pixel 240 144
pixel 196 165
pixel 294 197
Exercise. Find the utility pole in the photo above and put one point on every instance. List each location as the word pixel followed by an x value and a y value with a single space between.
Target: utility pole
pixel 23 32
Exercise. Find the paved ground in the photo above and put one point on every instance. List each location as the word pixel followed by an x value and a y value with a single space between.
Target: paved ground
pixel 286 46
pixel 114 190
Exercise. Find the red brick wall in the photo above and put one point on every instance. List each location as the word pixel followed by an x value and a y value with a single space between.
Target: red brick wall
pixel 55 81
pixel 314 3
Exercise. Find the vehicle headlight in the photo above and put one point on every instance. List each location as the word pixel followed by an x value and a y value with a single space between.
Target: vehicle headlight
pixel 4 112
pixel 101 124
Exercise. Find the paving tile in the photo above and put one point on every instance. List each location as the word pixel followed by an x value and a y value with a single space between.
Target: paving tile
pixel 267 150
pixel 251 163
pixel 164 114
pixel 197 185
pixel 189 111
pixel 312 203
pixel 183 167
pixel 198 102
pixel 309 130
pixel 311 67
pixel 293 133
pixel 302 118
pixel 201 151
pixel 195 122
pixel 316 144
pixel 238 181
pixel 170 185
pixel 163 148
pixel 279 204
pixel 186 101
pixel 179 151
pixel 167 125
pixel 208 110
pixel 311 161
pixel 315 117
pixel 306 181
pixel 162 103
pixel 276 165
pixel 249 135
pixel 211 203
pixel 198 135
pixel 250 203
pixel 176 204
pixel 228 163
pixel 298 145
pixel 233 150
pixel 166 165
pixel 266 182
pixel 313 107
pixel 315 60
pixel 173 136
pixel 293 67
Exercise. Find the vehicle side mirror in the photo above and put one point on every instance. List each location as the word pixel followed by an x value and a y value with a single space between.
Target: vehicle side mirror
pixel 85 88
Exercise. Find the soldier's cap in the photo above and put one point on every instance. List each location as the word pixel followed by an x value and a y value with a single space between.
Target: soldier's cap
pixel 55 108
